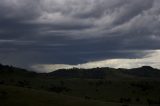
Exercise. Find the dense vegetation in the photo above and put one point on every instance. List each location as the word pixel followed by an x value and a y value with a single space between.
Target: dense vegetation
pixel 80 87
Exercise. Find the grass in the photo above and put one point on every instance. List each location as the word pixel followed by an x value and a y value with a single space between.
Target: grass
pixel 83 93
pixel 16 96
pixel 23 89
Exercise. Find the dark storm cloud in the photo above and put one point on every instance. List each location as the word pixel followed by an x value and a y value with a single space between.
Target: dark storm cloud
pixel 77 31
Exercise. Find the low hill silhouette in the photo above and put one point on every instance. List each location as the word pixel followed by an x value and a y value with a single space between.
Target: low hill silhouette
pixel 95 73
pixel 101 73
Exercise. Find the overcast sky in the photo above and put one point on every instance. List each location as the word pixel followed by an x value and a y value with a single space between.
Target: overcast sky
pixel 45 35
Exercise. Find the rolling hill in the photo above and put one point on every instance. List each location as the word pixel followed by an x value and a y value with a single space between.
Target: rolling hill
pixel 80 87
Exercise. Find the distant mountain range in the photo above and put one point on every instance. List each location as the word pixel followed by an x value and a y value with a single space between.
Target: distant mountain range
pixel 95 73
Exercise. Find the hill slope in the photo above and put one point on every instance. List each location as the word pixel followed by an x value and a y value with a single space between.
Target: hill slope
pixel 80 87
pixel 16 96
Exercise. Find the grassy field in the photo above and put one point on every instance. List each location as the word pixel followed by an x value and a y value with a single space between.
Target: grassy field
pixel 16 96
pixel 30 89
pixel 80 92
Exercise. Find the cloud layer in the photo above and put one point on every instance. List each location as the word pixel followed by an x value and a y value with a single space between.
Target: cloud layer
pixel 86 18
pixel 152 59
pixel 76 31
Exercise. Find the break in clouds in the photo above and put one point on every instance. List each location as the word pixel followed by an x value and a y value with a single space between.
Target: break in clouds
pixel 91 33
